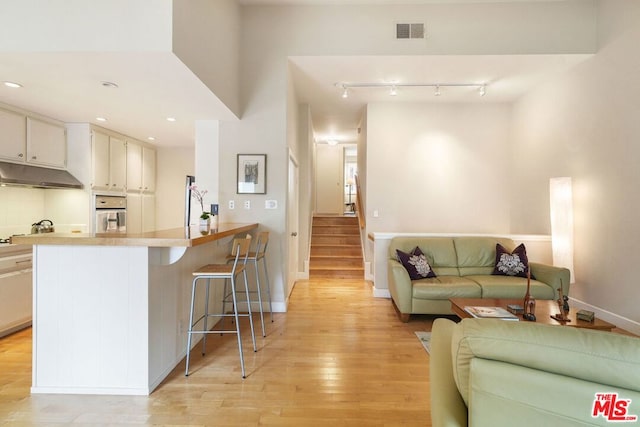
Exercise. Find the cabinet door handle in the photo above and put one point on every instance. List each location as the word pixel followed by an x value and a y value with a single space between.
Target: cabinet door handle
pixel 34 157
pixel 20 155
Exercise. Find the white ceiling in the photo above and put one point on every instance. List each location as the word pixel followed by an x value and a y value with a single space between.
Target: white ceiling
pixel 152 86
pixel 156 85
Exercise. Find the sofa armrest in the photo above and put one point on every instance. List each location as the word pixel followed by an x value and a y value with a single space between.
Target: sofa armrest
pixel 447 407
pixel 400 286
pixel 552 276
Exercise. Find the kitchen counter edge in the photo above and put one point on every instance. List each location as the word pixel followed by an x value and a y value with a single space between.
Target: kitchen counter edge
pixel 174 237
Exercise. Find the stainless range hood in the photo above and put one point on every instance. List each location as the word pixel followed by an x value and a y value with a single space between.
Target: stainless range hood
pixel 34 176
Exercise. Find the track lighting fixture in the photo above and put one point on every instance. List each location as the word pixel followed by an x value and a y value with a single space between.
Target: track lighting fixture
pixel 393 87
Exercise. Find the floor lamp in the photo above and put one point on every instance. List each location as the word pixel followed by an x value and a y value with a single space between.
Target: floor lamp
pixel 561 203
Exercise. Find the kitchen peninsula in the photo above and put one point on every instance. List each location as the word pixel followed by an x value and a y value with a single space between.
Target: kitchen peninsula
pixel 110 311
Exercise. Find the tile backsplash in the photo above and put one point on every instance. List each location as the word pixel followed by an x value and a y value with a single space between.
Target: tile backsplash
pixel 21 206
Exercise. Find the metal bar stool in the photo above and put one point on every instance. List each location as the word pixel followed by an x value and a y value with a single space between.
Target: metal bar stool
pixel 240 249
pixel 261 244
pixel 258 255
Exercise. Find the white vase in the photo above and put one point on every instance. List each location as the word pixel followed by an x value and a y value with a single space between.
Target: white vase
pixel 214 222
pixel 205 225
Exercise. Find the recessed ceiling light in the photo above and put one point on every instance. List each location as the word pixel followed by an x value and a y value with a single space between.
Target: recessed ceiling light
pixel 151 138
pixel 12 85
pixel 109 84
pixel 171 119
pixel 101 119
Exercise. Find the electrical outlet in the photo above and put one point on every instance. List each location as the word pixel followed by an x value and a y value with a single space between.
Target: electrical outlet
pixel 232 204
pixel 247 204
pixel 375 213
pixel 271 204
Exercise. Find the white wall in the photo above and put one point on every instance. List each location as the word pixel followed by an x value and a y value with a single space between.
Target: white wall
pixel 585 125
pixel 216 26
pixel 438 168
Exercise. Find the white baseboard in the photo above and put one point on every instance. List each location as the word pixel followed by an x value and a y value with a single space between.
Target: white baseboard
pixel 381 293
pixel 621 322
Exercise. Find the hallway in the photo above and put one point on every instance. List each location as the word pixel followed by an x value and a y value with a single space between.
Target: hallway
pixel 339 357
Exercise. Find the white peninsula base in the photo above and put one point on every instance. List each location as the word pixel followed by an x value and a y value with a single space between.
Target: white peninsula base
pixel 113 319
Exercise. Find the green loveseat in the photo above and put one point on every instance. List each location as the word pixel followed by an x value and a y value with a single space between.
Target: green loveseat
pixel 489 372
pixel 464 267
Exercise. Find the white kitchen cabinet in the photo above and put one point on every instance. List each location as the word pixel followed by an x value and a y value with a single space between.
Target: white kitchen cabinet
pixel 141 168
pixel 141 212
pixel 109 162
pixel 46 143
pixel 149 169
pixel 134 167
pixel 134 213
pixel 15 292
pixel 13 135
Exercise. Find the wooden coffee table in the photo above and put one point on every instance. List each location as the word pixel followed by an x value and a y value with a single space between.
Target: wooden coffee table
pixel 544 310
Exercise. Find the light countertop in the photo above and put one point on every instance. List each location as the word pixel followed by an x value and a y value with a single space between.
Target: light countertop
pixel 174 237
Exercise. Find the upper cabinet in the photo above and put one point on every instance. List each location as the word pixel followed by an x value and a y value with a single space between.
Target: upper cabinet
pixel 12 136
pixel 46 143
pixel 109 162
pixel 141 168
pixel 31 140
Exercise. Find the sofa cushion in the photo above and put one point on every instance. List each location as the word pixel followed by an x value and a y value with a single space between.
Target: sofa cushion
pixel 445 287
pixel 439 251
pixel 415 263
pixel 477 255
pixel 511 287
pixel 595 356
pixel 511 263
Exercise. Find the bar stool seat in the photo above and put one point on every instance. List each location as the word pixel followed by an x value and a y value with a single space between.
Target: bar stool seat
pixel 229 272
pixel 253 257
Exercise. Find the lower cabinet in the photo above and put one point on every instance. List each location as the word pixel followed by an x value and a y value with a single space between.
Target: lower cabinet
pixel 15 301
pixel 141 212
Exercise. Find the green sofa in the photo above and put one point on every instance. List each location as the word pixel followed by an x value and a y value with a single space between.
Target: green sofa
pixel 489 372
pixel 464 267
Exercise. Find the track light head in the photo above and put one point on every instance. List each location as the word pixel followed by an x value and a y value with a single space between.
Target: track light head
pixel 345 92
pixel 393 91
pixel 482 90
pixel 437 92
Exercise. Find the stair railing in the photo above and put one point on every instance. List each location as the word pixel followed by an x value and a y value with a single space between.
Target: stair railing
pixel 358 204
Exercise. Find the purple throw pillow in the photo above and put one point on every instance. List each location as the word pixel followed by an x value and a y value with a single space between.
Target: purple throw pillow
pixel 415 263
pixel 513 263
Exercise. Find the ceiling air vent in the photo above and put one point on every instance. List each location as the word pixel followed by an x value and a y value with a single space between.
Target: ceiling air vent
pixel 410 31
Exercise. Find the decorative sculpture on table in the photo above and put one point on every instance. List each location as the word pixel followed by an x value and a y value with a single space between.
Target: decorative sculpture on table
pixel 563 304
pixel 529 303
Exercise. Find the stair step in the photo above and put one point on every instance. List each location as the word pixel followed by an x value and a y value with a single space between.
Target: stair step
pixel 336 250
pixel 330 220
pixel 335 229
pixel 319 239
pixel 337 273
pixel 335 262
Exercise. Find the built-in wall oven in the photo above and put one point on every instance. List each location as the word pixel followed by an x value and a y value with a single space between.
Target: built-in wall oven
pixel 111 214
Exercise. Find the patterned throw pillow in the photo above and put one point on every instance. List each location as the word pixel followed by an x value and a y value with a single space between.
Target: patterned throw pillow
pixel 513 263
pixel 415 263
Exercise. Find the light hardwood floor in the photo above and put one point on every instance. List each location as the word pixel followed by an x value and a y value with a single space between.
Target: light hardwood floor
pixel 338 357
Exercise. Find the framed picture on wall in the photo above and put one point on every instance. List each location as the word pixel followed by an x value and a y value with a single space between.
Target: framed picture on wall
pixel 252 174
